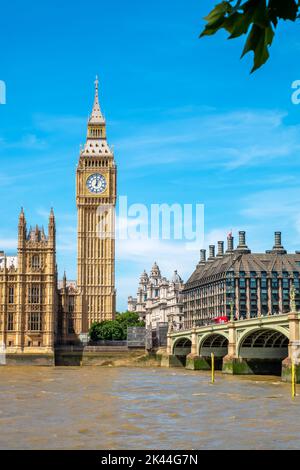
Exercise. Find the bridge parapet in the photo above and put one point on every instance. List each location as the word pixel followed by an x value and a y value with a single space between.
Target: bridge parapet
pixel 240 327
pixel 277 327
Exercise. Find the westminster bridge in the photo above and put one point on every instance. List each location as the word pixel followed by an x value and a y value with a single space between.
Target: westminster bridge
pixel 262 345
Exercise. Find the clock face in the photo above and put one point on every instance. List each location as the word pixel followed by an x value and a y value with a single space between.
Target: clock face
pixel 96 183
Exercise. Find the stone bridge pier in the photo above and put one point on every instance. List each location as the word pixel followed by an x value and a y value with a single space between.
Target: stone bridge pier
pixel 266 345
pixel 294 350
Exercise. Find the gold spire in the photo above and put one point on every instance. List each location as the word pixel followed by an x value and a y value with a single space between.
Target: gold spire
pixel 96 143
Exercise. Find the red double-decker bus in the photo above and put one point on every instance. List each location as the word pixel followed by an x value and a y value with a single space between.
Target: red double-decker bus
pixel 221 319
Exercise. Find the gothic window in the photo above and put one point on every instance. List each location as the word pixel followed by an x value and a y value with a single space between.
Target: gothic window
pixel 36 261
pixel 34 295
pixel 71 304
pixel 34 321
pixel 10 322
pixel 11 295
pixel 71 329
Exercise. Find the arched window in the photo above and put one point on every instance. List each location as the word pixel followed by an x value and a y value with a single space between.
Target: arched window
pixel 36 261
pixel 34 321
pixel 11 295
pixel 34 295
pixel 10 322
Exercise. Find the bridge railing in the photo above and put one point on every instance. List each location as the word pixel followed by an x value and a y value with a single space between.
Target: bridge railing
pixel 211 321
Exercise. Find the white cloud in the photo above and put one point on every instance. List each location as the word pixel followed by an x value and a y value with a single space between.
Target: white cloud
pixel 280 203
pixel 8 244
pixel 59 125
pixel 275 209
pixel 170 255
pixel 27 142
pixel 225 140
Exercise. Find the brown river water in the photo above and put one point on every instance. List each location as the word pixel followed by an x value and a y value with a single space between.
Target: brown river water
pixel 132 408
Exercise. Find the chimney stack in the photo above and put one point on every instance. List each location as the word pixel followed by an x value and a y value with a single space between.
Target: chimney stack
pixel 242 238
pixel 278 248
pixel 202 261
pixel 220 249
pixel 277 239
pixel 242 243
pixel 230 243
pixel 202 256
pixel 211 252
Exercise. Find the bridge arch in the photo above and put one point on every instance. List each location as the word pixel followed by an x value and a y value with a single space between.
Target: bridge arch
pixel 181 348
pixel 254 334
pixel 264 348
pixel 216 343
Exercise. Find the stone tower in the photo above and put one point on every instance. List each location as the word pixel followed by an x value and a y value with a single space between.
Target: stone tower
pixel 96 200
pixel 28 292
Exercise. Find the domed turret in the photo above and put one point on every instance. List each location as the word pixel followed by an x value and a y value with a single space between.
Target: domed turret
pixel 176 279
pixel 155 271
pixel 144 277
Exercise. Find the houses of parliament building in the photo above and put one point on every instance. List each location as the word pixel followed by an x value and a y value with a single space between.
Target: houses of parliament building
pixel 37 311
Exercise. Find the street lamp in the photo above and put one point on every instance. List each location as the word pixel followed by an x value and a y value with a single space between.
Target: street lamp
pixel 231 311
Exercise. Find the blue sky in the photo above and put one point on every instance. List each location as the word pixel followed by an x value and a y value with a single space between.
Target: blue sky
pixel 189 124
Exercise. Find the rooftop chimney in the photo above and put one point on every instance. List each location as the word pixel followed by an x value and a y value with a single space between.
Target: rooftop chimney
pixel 230 243
pixel 242 243
pixel 211 252
pixel 278 248
pixel 202 256
pixel 220 249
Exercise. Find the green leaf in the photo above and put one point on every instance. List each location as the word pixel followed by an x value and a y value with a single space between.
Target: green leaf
pixel 262 16
pixel 212 28
pixel 216 18
pixel 237 24
pixel 283 9
pixel 219 11
pixel 258 41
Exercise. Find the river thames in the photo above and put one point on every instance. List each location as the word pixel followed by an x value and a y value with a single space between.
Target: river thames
pixel 132 408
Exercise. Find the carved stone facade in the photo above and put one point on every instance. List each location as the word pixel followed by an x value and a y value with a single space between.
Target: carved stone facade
pixel 28 300
pixel 158 300
pixel 36 311
pixel 92 298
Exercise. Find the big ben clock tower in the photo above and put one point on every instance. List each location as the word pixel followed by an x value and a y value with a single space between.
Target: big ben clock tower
pixel 96 200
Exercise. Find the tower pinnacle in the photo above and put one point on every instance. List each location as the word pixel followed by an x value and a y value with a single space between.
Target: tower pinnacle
pixel 22 215
pixel 96 116
pixel 96 143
